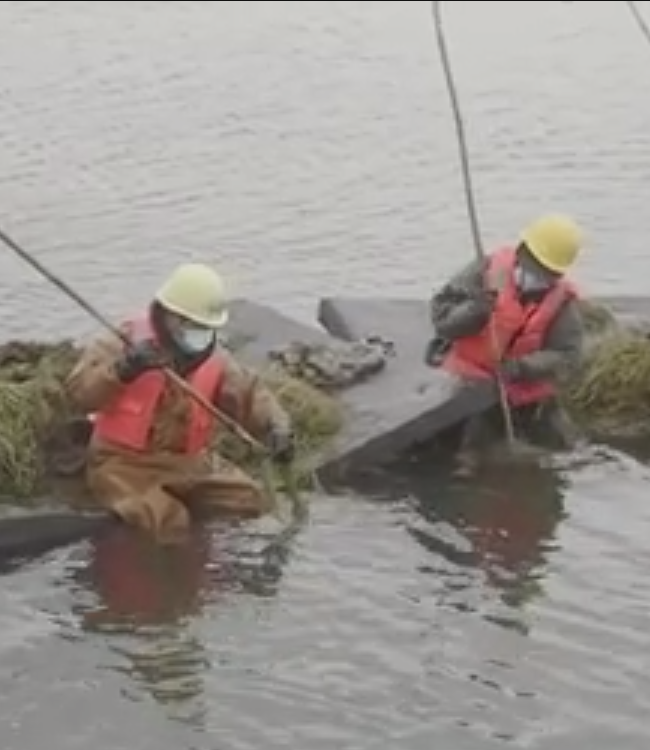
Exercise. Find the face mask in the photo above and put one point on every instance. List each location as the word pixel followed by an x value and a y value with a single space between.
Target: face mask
pixel 195 340
pixel 528 281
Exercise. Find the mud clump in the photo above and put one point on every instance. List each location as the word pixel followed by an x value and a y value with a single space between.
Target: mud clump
pixel 333 366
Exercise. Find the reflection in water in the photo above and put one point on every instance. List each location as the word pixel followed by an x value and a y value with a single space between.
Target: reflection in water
pixel 138 582
pixel 169 665
pixel 144 597
pixel 501 523
pixel 135 582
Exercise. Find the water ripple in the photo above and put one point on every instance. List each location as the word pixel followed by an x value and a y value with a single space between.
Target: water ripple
pixel 308 149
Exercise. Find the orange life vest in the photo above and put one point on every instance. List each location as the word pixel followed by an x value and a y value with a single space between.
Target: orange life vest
pixel 520 330
pixel 127 420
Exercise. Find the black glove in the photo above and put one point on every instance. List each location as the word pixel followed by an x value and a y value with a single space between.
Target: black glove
pixel 137 360
pixel 282 444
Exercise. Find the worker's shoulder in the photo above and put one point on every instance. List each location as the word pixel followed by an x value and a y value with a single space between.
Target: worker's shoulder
pixel 571 310
pixel 569 321
pixel 466 278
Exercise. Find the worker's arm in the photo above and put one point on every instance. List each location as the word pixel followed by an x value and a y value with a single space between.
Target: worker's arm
pixel 463 306
pixel 562 352
pixel 93 381
pixel 246 400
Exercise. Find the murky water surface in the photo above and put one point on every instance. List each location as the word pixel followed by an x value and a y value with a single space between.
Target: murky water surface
pixel 308 149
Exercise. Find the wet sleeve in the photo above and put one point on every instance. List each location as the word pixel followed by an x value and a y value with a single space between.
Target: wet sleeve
pixel 92 382
pixel 562 353
pixel 245 399
pixel 461 307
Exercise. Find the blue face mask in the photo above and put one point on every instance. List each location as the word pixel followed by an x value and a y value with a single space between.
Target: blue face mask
pixel 195 340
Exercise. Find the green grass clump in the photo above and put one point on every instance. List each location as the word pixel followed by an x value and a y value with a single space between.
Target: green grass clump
pixel 31 401
pixel 611 395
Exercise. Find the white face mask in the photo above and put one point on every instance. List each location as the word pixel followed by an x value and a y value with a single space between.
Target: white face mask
pixel 529 281
pixel 195 340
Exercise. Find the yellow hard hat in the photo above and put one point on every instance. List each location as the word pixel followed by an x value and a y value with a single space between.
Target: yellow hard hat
pixel 554 241
pixel 196 292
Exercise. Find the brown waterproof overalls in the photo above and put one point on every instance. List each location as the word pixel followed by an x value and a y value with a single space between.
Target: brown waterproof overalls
pixel 160 490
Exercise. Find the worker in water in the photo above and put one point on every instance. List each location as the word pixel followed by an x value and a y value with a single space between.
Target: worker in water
pixel 149 457
pixel 520 299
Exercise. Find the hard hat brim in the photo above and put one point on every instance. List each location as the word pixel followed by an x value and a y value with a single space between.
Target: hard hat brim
pixel 217 321
pixel 544 263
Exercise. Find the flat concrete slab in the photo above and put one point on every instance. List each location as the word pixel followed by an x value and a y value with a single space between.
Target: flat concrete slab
pixel 409 403
pixel 393 411
pixel 255 329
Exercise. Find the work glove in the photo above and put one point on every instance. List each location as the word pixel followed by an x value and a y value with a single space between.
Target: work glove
pixel 138 359
pixel 282 444
pixel 513 369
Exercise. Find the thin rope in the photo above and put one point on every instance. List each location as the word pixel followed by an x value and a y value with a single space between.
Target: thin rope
pixel 469 194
